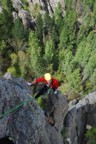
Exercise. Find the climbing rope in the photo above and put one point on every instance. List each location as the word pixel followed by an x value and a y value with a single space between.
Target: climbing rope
pixel 15 108
pixel 20 104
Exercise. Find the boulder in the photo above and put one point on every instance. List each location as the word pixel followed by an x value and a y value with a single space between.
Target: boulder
pixel 24 124
pixel 17 4
pixel 79 117
pixel 27 124
pixel 24 15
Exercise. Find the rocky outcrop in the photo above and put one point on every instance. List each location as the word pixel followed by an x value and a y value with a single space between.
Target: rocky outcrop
pixel 24 15
pixel 47 5
pixel 27 16
pixel 28 124
pixel 17 4
pixel 19 123
pixel 79 117
pixel 60 109
pixel 26 19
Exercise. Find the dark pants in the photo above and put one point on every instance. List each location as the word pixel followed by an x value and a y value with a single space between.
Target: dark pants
pixel 42 91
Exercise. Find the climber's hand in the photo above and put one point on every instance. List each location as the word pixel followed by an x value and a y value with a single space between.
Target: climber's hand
pixel 29 83
pixel 55 92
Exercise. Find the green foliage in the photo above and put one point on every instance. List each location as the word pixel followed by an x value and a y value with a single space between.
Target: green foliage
pixel 6 20
pixel 41 102
pixel 83 53
pixel 90 66
pixel 59 75
pixel 4 56
pixel 14 58
pixel 49 51
pixel 24 1
pixel 94 9
pixel 74 81
pixel 68 33
pixel 34 51
pixel 2 46
pixel 18 35
pixel 64 133
pixel 92 39
pixel 88 18
pixel 25 4
pixel 7 5
pixel 39 28
pixel 55 36
pixel 23 63
pixel 65 58
pixel 19 64
pixel 48 24
pixel 58 16
pixel 12 70
pixel 91 136
pixel 18 30
pixel 68 4
pixel 93 79
pixel 37 9
pixel 57 45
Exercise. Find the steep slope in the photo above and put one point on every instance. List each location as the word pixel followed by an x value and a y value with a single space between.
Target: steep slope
pixel 49 6
pixel 80 116
pixel 27 124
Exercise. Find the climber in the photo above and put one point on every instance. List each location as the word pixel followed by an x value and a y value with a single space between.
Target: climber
pixel 49 82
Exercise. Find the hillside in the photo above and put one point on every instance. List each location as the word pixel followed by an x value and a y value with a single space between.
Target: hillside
pixel 54 36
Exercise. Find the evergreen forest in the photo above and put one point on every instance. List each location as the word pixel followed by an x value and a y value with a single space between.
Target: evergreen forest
pixel 59 44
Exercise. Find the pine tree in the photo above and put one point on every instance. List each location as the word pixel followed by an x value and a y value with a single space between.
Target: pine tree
pixel 6 20
pixel 34 51
pixel 47 24
pixel 68 33
pixel 18 30
pixel 58 16
pixel 39 28
pixel 18 35
pixel 49 51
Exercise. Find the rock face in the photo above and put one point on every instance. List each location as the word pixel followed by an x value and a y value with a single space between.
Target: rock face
pixel 25 124
pixel 27 16
pixel 48 5
pixel 59 114
pixel 24 15
pixel 28 124
pixel 79 117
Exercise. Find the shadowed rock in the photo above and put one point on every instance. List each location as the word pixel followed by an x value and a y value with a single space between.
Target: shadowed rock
pixel 80 116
